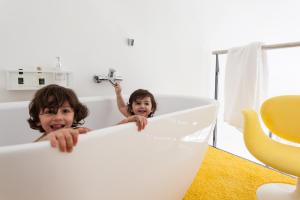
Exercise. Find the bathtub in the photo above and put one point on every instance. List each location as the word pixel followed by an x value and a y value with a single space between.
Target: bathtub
pixel 112 162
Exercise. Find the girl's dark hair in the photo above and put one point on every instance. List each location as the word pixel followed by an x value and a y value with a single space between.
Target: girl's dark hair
pixel 139 94
pixel 53 97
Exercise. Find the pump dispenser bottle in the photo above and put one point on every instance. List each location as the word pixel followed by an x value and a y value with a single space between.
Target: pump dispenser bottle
pixel 58 64
pixel 41 79
pixel 20 77
pixel 60 77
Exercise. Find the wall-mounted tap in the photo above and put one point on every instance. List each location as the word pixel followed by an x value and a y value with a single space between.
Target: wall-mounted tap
pixel 112 77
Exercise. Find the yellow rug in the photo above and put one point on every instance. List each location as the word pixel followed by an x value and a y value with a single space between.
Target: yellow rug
pixel 223 176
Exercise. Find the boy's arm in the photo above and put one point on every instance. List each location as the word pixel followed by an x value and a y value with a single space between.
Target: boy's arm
pixel 39 138
pixel 65 139
pixel 120 101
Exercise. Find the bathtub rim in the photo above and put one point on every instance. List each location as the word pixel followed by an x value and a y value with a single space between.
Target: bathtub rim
pixel 107 130
pixel 83 99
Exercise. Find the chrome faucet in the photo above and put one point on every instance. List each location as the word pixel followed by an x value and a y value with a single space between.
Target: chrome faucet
pixel 111 77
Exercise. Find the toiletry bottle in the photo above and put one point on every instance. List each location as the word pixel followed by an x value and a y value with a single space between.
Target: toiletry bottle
pixel 58 64
pixel 60 77
pixel 20 77
pixel 40 78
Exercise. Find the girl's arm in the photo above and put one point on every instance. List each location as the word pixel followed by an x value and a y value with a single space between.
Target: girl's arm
pixel 140 121
pixel 120 101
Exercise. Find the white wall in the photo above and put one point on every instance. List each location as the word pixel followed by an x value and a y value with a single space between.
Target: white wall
pixel 235 23
pixel 169 55
pixel 173 40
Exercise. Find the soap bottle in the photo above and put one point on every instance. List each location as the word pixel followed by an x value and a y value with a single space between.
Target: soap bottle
pixel 60 77
pixel 41 79
pixel 20 77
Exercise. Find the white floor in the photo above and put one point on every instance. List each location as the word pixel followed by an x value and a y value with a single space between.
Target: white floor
pixel 231 140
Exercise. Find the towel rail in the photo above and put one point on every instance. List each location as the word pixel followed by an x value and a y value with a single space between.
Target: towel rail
pixel 271 46
pixel 218 52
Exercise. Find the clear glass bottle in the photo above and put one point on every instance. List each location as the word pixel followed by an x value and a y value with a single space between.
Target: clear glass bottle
pixel 60 76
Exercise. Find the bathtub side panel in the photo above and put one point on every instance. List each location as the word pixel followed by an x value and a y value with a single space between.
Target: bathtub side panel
pixel 103 112
pixel 14 126
pixel 16 130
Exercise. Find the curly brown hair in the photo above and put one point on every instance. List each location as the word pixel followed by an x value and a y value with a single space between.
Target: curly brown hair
pixel 139 94
pixel 53 97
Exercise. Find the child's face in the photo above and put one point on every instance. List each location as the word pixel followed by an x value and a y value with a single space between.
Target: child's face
pixel 51 121
pixel 142 106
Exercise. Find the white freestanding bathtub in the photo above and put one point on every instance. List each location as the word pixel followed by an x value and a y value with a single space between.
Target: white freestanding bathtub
pixel 112 162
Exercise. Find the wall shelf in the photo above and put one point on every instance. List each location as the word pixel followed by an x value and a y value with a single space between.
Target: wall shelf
pixel 35 79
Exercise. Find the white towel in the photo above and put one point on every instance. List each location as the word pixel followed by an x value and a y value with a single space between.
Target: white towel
pixel 246 81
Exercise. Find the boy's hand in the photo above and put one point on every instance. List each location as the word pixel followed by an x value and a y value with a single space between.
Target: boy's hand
pixel 65 138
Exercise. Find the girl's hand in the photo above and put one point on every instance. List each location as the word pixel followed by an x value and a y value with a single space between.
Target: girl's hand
pixel 65 138
pixel 141 121
pixel 118 88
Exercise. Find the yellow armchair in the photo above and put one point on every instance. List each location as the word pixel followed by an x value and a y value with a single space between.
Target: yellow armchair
pixel 281 115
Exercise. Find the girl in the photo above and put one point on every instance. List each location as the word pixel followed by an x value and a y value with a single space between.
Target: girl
pixel 141 106
pixel 56 112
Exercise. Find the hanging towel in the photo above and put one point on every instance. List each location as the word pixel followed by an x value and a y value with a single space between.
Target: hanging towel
pixel 246 76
